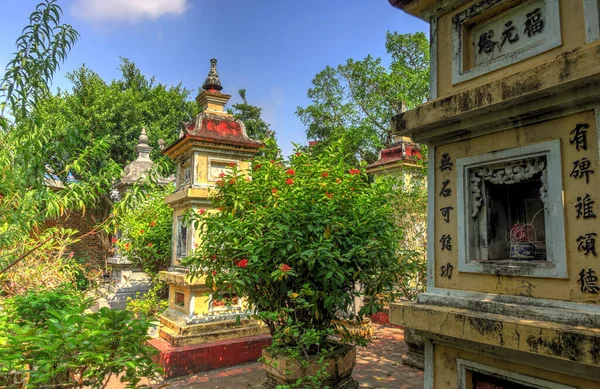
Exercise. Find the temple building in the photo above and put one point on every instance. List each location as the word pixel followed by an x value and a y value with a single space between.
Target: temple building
pixel 196 332
pixel 512 295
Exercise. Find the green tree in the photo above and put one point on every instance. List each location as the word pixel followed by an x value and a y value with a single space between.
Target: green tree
pixel 355 100
pixel 116 111
pixel 256 127
pixel 29 147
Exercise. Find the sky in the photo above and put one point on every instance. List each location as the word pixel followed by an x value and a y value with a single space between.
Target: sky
pixel 272 48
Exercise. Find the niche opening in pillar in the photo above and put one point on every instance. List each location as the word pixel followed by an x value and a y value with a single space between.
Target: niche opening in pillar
pixel 510 212
pixel 510 216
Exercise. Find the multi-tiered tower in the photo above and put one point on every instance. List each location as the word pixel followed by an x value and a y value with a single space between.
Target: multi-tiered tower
pixel 198 333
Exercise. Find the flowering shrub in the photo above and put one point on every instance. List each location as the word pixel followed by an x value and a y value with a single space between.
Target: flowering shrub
pixel 300 240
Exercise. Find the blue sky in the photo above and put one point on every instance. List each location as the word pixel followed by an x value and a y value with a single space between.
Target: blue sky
pixel 272 48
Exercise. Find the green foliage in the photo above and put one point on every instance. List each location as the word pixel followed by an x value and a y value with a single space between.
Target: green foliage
pixel 116 111
pixel 146 229
pixel 409 204
pixel 48 337
pixel 354 102
pixel 37 158
pixel 300 241
pixel 151 304
pixel 250 115
pixel 48 265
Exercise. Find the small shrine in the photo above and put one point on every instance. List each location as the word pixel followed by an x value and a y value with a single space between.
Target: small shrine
pixel 127 281
pixel 399 157
pixel 198 332
pixel 512 295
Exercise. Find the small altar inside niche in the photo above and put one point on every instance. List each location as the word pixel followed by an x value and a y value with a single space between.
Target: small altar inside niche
pixel 197 332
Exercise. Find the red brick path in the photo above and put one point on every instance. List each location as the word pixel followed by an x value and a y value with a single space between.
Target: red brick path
pixel 377 366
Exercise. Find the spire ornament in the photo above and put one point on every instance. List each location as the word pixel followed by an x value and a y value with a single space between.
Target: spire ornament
pixel 212 82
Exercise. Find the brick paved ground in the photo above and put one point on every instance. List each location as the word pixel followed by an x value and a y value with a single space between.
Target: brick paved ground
pixel 377 366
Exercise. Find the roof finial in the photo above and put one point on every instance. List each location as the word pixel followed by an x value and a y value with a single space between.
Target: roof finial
pixel 212 82
pixel 143 148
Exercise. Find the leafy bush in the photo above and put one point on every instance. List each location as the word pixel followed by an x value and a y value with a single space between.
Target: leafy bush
pixel 409 203
pixel 146 229
pixel 48 337
pixel 151 304
pixel 41 260
pixel 301 241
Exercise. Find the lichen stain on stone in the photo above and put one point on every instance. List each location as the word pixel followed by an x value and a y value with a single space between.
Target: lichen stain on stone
pixel 483 96
pixel 487 327
pixel 595 351
pixel 566 345
pixel 525 288
pixel 464 102
pixel 514 89
pixel 567 63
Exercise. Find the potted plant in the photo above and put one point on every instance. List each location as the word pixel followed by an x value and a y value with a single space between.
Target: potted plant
pixel 300 240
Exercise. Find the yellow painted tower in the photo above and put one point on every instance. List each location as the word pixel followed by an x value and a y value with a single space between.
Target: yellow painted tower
pixel 512 296
pixel 194 323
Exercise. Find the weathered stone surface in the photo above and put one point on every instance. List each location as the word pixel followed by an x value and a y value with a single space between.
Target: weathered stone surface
pixel 414 357
pixel 339 365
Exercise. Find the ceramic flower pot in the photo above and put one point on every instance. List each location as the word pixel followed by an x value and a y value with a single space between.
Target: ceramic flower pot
pixel 282 370
pixel 522 250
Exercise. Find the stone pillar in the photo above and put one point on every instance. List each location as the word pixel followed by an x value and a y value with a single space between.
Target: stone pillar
pixel 512 134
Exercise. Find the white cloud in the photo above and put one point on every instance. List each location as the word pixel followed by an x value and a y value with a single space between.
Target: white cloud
pixel 127 10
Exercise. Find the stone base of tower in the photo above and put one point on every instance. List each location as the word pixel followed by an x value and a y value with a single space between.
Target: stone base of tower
pixel 176 331
pixel 179 361
pixel 190 345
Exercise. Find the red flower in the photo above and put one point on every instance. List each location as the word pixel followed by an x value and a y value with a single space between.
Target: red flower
pixel 214 257
pixel 141 231
pixel 298 154
pixel 354 171
pixel 284 268
pixel 338 181
pixel 330 195
pixel 214 272
pixel 325 175
pixel 232 181
pixel 201 211
pixel 243 263
pixel 71 254
pixel 274 190
pixel 220 183
pixel 257 166
pixel 291 172
pixel 221 175
pixel 114 240
pixel 289 181
pixel 153 223
pixel 231 164
pixel 195 244
pixel 126 246
pixel 351 188
pixel 150 244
